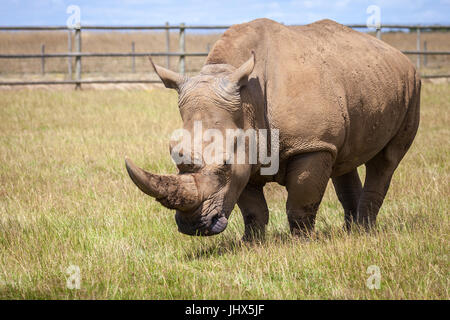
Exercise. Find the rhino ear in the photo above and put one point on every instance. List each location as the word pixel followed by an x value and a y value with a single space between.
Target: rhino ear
pixel 171 80
pixel 240 76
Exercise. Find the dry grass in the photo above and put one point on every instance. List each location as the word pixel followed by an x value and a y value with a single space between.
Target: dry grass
pixel 65 199
pixel 30 42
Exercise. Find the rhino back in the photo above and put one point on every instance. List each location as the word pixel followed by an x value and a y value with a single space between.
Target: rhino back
pixel 325 87
pixel 371 83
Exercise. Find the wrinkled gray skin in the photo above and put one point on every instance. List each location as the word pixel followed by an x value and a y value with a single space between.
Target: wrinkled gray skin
pixel 339 99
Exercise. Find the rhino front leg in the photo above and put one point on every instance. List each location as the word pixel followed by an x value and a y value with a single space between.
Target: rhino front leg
pixel 307 176
pixel 255 212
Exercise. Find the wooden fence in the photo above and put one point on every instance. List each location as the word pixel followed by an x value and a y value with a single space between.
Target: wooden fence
pixel 182 54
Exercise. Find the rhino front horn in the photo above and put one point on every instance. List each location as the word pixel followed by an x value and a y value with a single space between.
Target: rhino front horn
pixel 173 191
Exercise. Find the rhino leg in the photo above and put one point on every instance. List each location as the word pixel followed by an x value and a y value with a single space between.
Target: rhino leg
pixel 378 177
pixel 307 177
pixel 379 169
pixel 348 189
pixel 254 211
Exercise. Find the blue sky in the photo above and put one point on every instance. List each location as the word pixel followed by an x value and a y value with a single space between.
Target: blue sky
pixel 156 12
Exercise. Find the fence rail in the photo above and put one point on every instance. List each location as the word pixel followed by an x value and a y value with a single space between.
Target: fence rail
pixel 184 26
pixel 182 54
pixel 100 54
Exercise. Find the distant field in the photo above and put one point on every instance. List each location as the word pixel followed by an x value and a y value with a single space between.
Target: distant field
pixel 66 199
pixel 27 42
pixel 30 42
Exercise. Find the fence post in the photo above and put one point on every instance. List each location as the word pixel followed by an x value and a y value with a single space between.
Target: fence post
pixel 167 45
pixel 379 33
pixel 43 59
pixel 418 48
pixel 78 58
pixel 133 59
pixel 182 48
pixel 425 55
pixel 69 50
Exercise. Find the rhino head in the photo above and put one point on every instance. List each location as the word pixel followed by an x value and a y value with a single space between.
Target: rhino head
pixel 202 193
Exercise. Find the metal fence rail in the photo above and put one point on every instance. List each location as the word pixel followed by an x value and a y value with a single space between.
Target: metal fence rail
pixel 182 54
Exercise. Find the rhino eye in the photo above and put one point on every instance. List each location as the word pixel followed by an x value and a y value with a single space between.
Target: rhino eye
pixel 188 167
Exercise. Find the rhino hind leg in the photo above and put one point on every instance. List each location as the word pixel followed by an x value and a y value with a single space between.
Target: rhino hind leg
pixel 255 212
pixel 379 173
pixel 348 189
pixel 307 177
pixel 380 169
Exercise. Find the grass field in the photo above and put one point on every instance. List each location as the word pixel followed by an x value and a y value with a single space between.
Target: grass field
pixel 66 200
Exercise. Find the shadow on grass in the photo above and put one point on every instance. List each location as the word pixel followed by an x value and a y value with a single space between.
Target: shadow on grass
pixel 216 249
pixel 233 245
pixel 279 237
pixel 328 233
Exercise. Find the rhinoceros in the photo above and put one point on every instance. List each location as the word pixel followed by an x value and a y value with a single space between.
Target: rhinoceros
pixel 337 98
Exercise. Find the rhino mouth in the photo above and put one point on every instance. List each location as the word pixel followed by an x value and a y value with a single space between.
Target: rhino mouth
pixel 216 226
pixel 209 219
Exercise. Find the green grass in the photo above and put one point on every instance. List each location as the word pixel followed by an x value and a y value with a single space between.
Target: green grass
pixel 66 199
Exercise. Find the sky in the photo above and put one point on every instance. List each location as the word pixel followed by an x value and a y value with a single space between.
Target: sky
pixel 225 12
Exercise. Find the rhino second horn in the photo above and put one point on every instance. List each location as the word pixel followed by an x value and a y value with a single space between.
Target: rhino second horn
pixel 173 191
